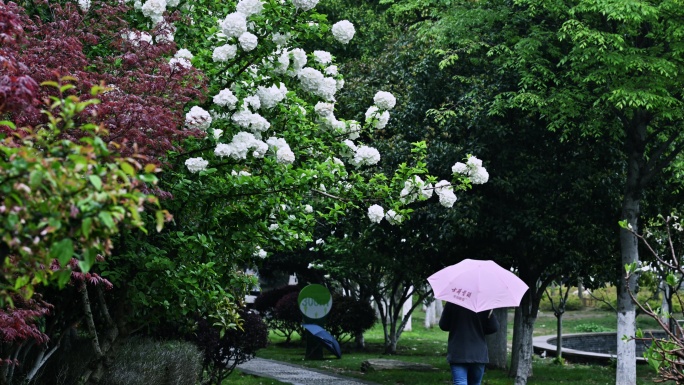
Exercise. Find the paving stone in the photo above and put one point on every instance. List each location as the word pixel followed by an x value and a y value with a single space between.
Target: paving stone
pixel 295 374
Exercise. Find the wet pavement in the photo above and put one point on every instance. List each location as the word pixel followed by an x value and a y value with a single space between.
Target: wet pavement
pixel 295 374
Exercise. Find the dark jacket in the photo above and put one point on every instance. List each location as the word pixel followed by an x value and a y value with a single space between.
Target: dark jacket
pixel 467 331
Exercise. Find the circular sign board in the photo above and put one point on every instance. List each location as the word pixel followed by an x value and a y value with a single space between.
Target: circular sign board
pixel 314 301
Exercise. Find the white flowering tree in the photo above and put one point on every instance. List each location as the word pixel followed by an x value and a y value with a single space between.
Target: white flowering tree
pixel 272 131
pixel 276 158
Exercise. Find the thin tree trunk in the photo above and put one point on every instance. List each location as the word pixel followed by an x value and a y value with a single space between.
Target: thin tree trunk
pixel 497 343
pixel 625 373
pixel 526 350
pixel 559 337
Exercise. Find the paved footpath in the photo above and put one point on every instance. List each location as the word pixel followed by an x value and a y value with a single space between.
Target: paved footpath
pixel 295 374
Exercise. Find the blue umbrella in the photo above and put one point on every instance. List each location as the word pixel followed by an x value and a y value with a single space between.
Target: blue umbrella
pixel 328 340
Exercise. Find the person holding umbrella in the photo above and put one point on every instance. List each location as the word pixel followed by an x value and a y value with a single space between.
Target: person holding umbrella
pixel 472 288
pixel 466 348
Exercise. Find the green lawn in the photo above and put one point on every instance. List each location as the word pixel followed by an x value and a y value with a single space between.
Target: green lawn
pixel 429 346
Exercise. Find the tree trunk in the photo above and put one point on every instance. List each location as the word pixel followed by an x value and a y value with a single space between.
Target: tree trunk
pixel 524 370
pixel 516 343
pixel 559 336
pixel 497 343
pixel 625 373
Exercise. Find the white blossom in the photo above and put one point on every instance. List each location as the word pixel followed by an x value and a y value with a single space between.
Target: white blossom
pixel 179 63
pixel 310 79
pixel 444 190
pixel 135 37
pixel 384 100
pixel 308 209
pixel 273 227
pixel 366 155
pixel 224 53
pixel 184 54
pixel 393 217
pixel 261 253
pixel 304 5
pixel 324 110
pixel 378 119
pixel 84 5
pixel 196 164
pixel 331 70
pixel 299 59
pixel 343 31
pixel 234 25
pixel 473 169
pixel 376 213
pixel 249 7
pixel 248 41
pixel 271 96
pixel 225 98
pixel 322 57
pixel 154 9
pixel 217 133
pixel 198 118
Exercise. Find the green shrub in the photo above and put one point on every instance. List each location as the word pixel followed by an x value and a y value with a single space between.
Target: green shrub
pixel 280 310
pixel 349 317
pixel 151 362
pixel 573 303
pixel 591 327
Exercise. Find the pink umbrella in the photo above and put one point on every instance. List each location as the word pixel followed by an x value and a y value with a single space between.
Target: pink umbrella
pixel 478 285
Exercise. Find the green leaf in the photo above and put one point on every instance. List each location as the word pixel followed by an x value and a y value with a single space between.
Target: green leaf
pixel 160 220
pixel 127 168
pixel 106 218
pixel 86 227
pixel 96 181
pixel 62 250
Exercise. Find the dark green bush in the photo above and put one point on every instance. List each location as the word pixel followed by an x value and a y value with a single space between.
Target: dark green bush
pixel 149 362
pixel 280 311
pixel 349 317
pixel 222 353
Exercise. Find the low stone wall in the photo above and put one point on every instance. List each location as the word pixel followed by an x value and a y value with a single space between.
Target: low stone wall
pixel 595 348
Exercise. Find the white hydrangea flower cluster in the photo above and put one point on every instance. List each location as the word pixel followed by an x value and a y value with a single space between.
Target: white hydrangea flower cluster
pixel 472 169
pixel 415 188
pixel 259 252
pixel 154 9
pixel 198 118
pixel 312 80
pixel 445 192
pixel 234 24
pixel 250 7
pixel 84 5
pixel 284 154
pixel 378 119
pixel 361 155
pixel 195 165
pixel 224 53
pixel 136 37
pixel 393 217
pixel 240 146
pixel 248 41
pixel 384 100
pixel 304 5
pixel 252 121
pixel 376 213
pixel 323 57
pixel 225 98
pixel 271 96
pixel 181 59
pixel 365 156
pixel 343 31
